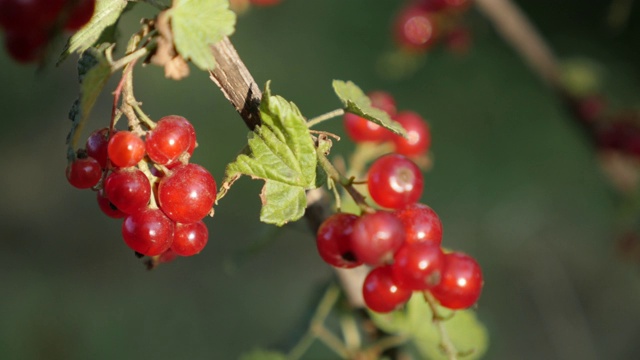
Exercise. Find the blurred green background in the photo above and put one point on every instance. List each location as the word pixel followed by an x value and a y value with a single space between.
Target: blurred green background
pixel 515 184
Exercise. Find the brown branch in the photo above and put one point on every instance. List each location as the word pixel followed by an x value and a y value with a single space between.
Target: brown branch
pixel 236 82
pixel 238 86
pixel 518 31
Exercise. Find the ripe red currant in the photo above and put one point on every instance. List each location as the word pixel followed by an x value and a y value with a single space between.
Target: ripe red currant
pixel 415 29
pixel 149 232
pixel 107 206
pixel 128 189
pixel 190 239
pixel 418 266
pixel 360 129
pixel 421 224
pixel 97 146
pixel 376 237
pixel 384 101
pixel 167 257
pixel 170 139
pixel 334 241
pixel 461 282
pixel 80 14
pixel 22 15
pixel 125 149
pixel 394 181
pixel 25 47
pixel 381 292
pixel 187 194
pixel 418 136
pixel 84 173
pixel 458 40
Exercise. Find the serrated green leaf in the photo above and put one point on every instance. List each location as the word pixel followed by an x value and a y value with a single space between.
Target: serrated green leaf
pixel 282 201
pixel 464 329
pixel 106 14
pixel 281 152
pixel 199 24
pixel 94 72
pixel 260 354
pixel 357 102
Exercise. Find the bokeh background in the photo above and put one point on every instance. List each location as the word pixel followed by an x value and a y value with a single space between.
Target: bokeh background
pixel 515 183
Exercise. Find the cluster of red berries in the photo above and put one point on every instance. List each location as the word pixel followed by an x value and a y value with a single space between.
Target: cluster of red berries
pixel 162 208
pixel 422 23
pixel 611 131
pixel 362 130
pixel 30 24
pixel 403 246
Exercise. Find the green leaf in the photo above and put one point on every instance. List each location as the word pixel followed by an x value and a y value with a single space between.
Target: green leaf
pixel 199 24
pixel 281 152
pixel 93 71
pixel 357 102
pixel 260 354
pixel 465 331
pixel 106 14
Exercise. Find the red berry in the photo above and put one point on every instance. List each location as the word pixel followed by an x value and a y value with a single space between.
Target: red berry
pixel 192 131
pixel 97 146
pixel 149 232
pixel 590 108
pixel 418 135
pixel 128 190
pixel 169 139
pixel 84 173
pixel 421 224
pixel 438 5
pixel 25 46
pixel 415 29
pixel 381 292
pixel 360 129
pixel 167 256
pixel 458 40
pixel 461 282
pixel 190 239
pixel 187 194
pixel 394 181
pixel 384 101
pixel 432 5
pixel 376 237
pixel 125 149
pixel 107 206
pixel 22 15
pixel 418 266
pixel 334 241
pixel 80 14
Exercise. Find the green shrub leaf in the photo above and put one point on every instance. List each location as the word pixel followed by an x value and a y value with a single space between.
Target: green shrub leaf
pixel 198 24
pixel 104 18
pixel 281 152
pixel 357 102
pixel 93 71
pixel 467 334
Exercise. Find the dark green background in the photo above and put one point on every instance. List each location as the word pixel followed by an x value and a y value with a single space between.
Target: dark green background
pixel 515 184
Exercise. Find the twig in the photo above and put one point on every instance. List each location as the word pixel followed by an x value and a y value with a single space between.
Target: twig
pixel 445 341
pixel 238 86
pixel 324 117
pixel 236 83
pixel 518 31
